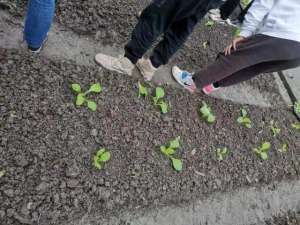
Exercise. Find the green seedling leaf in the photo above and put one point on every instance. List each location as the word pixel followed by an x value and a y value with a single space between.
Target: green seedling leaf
pixel 175 143
pixel 92 105
pixel 100 152
pixel 244 112
pixel 76 88
pixel 167 151
pixel 205 44
pixel 163 107
pixel 284 148
pixel 80 99
pixel 274 129
pixel 296 126
pixel 266 146
pixel 206 113
pixel 159 93
pixel 205 110
pixel 105 157
pixel 2 173
pixel 263 151
pixel 177 164
pixel 221 153
pixel 96 88
pixel 244 120
pixel 97 163
pixel 211 118
pixel 102 156
pixel 264 155
pixel 209 23
pixel 142 90
pixel 245 3
pixel 236 32
pixel 297 109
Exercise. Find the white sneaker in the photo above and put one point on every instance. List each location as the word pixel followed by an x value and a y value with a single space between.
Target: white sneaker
pixel 121 65
pixel 146 68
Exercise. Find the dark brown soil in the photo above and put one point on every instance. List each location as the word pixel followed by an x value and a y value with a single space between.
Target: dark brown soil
pixel 47 145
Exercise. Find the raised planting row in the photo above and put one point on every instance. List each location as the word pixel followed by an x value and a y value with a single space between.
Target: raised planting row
pixel 205 113
pixel 50 148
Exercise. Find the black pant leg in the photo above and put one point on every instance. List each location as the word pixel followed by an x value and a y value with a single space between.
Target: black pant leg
pixel 228 7
pixel 175 37
pixel 154 20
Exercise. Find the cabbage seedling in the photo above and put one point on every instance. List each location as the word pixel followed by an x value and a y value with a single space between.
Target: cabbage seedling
pixel 81 96
pixel 296 126
pixel 222 153
pixel 274 128
pixel 142 90
pixel 206 113
pixel 170 150
pixel 297 109
pixel 209 23
pixel 244 119
pixel 263 150
pixel 157 99
pixel 102 156
pixel 283 148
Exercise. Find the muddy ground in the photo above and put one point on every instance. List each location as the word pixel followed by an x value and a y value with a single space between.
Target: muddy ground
pixel 47 145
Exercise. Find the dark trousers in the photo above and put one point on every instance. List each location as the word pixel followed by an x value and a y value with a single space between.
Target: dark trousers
pixel 174 19
pixel 256 55
pixel 229 7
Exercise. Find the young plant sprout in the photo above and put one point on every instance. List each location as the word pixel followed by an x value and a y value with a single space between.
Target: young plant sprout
pixel 209 23
pixel 206 113
pixel 296 126
pixel 244 120
pixel 222 153
pixel 297 109
pixel 157 99
pixel 81 96
pixel 143 92
pixel 263 150
pixel 284 148
pixel 169 152
pixel 274 128
pixel 102 156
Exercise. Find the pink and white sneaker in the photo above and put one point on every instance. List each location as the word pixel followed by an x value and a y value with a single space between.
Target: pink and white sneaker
pixel 208 89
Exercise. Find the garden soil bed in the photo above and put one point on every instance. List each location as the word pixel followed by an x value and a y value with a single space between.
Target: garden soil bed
pixel 110 22
pixel 47 145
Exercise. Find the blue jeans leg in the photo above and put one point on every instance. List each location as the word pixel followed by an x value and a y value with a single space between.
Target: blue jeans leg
pixel 38 21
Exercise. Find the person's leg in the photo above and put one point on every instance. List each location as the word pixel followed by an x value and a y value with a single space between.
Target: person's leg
pixel 252 71
pixel 38 21
pixel 255 50
pixel 174 38
pixel 154 20
pixel 228 7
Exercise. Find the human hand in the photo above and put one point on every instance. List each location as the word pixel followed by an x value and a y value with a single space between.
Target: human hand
pixel 233 44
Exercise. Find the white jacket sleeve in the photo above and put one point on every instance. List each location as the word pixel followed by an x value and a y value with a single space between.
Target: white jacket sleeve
pixel 255 15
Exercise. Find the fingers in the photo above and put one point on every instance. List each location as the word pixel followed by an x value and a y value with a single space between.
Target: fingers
pixel 227 50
